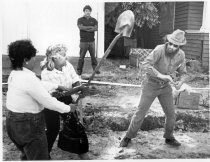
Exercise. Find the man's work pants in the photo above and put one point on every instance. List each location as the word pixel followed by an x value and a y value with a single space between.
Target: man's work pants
pixel 150 91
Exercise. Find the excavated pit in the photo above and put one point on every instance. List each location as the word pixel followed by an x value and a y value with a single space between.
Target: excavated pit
pixel 108 110
pixel 114 112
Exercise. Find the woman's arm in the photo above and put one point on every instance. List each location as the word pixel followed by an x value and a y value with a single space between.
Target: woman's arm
pixel 37 91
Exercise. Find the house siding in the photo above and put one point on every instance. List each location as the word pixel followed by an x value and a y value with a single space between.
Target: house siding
pixel 205 56
pixel 197 47
pixel 181 15
pixel 188 15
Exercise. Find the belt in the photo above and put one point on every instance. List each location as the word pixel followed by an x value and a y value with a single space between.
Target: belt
pixel 161 82
pixel 29 115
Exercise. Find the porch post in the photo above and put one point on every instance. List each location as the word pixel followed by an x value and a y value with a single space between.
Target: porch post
pixel 206 14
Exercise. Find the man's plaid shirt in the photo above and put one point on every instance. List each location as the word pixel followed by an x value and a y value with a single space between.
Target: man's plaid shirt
pixel 53 79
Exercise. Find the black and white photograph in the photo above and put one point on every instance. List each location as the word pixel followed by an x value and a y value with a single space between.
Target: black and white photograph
pixel 105 80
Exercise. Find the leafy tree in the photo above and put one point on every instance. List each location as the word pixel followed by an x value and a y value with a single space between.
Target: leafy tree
pixel 146 13
pixel 146 16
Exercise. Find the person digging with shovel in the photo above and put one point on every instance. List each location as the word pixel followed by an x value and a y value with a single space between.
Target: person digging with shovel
pixel 164 60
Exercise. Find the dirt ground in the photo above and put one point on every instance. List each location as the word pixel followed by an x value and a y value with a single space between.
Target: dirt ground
pixel 108 110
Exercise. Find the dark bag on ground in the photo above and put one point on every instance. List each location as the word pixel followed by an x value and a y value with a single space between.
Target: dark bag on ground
pixel 72 137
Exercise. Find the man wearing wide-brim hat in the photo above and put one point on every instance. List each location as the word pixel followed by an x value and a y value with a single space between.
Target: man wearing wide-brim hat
pixel 163 61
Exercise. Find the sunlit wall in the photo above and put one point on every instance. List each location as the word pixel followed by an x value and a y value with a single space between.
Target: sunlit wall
pixel 47 22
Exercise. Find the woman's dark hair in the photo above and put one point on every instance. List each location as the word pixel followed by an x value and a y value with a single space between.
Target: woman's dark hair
pixel 19 51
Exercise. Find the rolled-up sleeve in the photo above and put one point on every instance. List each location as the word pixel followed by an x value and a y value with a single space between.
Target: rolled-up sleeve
pixel 79 21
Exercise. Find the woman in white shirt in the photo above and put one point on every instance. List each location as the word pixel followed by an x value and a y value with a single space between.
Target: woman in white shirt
pixel 26 99
pixel 59 72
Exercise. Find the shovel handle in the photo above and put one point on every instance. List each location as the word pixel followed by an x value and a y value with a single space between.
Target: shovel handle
pixel 105 55
pixel 102 60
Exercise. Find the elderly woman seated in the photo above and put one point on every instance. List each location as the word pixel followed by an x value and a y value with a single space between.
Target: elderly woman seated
pixel 57 75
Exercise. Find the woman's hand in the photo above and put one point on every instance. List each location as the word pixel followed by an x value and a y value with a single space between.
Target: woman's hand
pixel 73 107
pixel 70 91
pixel 76 84
pixel 83 87
pixel 62 88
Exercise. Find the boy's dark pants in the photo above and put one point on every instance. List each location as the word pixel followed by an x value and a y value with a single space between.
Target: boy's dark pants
pixel 84 47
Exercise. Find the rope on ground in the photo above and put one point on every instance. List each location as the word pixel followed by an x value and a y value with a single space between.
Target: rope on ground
pixel 131 85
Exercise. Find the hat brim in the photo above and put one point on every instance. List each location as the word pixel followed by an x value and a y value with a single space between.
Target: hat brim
pixel 170 39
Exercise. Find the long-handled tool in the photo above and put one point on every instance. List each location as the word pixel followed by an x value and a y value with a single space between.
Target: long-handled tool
pixel 124 27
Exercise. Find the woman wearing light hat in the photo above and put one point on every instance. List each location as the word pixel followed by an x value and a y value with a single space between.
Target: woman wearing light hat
pixel 163 61
pixel 58 74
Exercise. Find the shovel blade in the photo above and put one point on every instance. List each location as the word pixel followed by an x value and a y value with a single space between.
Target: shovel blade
pixel 125 23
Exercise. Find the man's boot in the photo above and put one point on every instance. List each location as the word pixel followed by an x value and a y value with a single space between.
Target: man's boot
pixel 172 142
pixel 125 141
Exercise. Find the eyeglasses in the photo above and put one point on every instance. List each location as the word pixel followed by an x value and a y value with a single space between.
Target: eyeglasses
pixel 171 44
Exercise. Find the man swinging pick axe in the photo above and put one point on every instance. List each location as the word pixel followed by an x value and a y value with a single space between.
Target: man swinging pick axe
pixel 164 60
